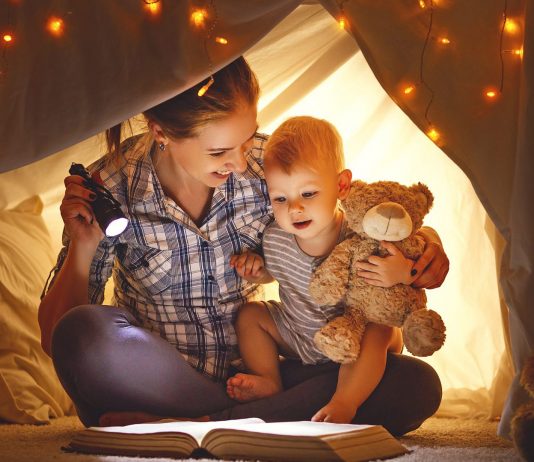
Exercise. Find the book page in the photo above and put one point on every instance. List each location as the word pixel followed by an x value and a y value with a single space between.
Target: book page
pixel 302 428
pixel 196 429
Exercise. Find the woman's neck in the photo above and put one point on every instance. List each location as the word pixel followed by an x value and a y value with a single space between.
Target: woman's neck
pixel 322 244
pixel 191 195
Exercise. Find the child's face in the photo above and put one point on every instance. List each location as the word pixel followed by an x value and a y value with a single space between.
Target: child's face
pixel 305 200
pixel 218 150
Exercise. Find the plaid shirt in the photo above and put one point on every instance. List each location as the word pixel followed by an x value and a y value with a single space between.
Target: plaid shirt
pixel 173 276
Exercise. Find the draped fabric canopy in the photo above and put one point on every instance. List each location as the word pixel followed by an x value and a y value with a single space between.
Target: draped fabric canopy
pixel 112 60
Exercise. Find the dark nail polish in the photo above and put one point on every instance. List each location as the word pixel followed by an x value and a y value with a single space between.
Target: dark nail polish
pixel 413 272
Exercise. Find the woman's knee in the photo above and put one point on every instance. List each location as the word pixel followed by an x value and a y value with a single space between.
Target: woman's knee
pixel 86 328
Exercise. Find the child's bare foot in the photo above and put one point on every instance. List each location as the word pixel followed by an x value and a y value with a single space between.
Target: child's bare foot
pixel 248 387
pixel 119 419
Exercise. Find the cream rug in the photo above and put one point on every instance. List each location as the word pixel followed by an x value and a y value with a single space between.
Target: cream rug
pixel 437 440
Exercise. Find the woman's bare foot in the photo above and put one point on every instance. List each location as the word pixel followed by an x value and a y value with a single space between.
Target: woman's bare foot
pixel 248 387
pixel 119 419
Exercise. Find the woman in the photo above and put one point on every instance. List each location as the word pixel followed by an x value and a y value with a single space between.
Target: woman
pixel 194 192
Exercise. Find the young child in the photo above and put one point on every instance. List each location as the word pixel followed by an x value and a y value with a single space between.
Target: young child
pixel 306 177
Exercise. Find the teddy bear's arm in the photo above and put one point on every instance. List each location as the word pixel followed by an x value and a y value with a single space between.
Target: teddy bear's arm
pixel 330 279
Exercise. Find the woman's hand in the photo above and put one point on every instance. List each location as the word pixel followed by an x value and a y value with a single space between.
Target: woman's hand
pixel 432 267
pixel 250 266
pixel 386 271
pixel 77 213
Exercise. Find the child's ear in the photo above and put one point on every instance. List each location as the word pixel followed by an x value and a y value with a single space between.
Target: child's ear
pixel 343 181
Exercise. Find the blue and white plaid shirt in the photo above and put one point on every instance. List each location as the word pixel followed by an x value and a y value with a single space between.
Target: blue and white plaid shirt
pixel 173 276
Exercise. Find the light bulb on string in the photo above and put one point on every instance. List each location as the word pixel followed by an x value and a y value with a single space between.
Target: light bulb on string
pixel 491 94
pixel 433 134
pixel 153 6
pixel 55 26
pixel 408 89
pixel 198 17
pixel 511 26
pixel 221 40
pixel 342 22
pixel 444 40
pixel 7 38
pixel 205 87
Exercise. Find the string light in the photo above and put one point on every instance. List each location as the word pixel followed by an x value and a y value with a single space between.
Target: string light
pixel 342 20
pixel 422 4
pixel 511 26
pixel 7 38
pixel 153 6
pixel 491 94
pixel 55 26
pixel 433 134
pixel 205 87
pixel 444 41
pixel 198 17
pixel 409 89
pixel 221 40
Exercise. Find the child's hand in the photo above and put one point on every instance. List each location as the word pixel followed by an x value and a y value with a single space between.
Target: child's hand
pixel 386 271
pixel 336 412
pixel 250 266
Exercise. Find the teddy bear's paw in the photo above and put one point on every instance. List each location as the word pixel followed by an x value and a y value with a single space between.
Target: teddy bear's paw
pixel 523 431
pixel 338 343
pixel 423 332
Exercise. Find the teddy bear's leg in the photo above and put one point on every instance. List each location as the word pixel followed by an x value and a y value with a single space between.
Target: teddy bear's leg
pixel 423 332
pixel 340 339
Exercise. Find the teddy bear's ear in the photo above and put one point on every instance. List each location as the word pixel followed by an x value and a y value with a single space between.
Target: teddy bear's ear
pixel 425 199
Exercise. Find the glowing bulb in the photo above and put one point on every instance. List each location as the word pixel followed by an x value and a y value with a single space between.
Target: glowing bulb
pixel 221 40
pixel 55 26
pixel 409 89
pixel 153 6
pixel 7 38
pixel 491 94
pixel 198 17
pixel 518 52
pixel 204 88
pixel 422 4
pixel 511 26
pixel 342 22
pixel 433 134
pixel 444 40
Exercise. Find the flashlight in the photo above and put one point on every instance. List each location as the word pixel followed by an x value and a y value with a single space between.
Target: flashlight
pixel 106 208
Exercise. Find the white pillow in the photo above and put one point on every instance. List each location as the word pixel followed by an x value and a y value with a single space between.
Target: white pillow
pixel 30 391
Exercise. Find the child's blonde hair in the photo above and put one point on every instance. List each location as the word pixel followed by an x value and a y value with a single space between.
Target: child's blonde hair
pixel 305 140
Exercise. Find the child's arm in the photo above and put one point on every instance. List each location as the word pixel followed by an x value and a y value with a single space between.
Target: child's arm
pixel 250 266
pixel 389 270
pixel 357 380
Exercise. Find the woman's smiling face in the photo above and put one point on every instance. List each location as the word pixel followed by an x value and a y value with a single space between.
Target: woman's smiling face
pixel 218 150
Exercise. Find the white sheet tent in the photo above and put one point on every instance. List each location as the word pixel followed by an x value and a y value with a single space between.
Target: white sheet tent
pixel 108 61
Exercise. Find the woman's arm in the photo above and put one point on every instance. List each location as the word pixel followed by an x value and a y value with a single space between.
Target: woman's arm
pixel 433 266
pixel 70 286
pixel 358 379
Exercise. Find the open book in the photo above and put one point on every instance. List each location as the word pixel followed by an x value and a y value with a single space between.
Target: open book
pixel 242 439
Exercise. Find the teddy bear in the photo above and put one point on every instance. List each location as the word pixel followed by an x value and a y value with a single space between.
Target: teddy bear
pixel 379 211
pixel 523 419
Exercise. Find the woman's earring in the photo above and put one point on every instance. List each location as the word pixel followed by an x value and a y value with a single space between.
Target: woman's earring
pixel 162 146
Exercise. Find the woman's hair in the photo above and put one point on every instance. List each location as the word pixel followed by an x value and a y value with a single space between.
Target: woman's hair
pixel 184 115
pixel 305 140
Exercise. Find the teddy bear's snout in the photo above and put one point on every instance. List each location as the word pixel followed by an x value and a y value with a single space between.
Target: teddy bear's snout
pixel 387 222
